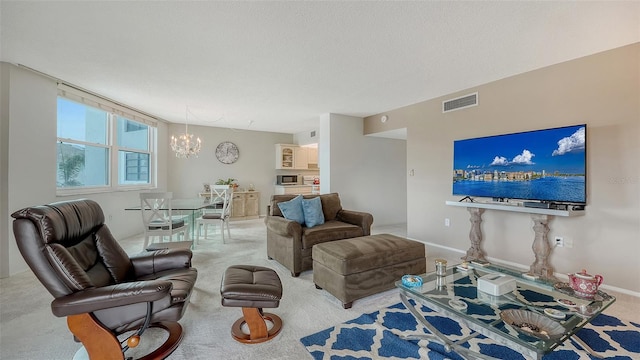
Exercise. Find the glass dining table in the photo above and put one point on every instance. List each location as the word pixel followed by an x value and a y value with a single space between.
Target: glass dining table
pixel 190 208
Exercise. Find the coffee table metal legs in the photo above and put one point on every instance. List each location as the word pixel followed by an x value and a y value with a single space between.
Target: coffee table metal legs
pixel 440 338
pixel 586 347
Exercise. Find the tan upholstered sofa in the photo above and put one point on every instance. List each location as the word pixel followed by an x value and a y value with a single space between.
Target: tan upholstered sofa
pixel 290 243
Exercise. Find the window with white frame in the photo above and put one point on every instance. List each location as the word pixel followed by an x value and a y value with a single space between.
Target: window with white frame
pixel 133 152
pixel 101 147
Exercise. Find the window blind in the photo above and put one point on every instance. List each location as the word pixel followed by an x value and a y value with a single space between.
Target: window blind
pixel 96 101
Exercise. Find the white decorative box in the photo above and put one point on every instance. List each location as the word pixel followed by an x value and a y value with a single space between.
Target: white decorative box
pixel 496 284
pixel 491 299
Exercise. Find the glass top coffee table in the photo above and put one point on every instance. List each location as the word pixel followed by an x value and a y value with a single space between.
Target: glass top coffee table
pixel 534 319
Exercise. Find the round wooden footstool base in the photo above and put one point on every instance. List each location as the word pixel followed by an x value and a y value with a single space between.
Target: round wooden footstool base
pixel 256 321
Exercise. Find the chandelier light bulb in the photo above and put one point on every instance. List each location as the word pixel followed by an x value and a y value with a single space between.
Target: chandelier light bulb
pixel 184 145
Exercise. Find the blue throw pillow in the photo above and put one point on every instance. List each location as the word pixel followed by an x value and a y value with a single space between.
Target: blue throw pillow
pixel 312 209
pixel 292 209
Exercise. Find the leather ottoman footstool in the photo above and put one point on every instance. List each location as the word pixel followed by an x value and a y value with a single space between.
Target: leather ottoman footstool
pixel 252 288
pixel 355 268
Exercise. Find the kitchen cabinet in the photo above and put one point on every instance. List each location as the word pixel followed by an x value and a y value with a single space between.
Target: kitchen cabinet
pixel 285 156
pixel 295 157
pixel 293 189
pixel 313 157
pixel 301 158
pixel 245 205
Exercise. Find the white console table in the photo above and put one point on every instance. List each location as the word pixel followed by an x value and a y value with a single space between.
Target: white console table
pixel 540 217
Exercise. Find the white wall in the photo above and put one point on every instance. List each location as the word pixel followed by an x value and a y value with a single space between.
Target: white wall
pixel 31 149
pixel 369 173
pixel 29 162
pixel 601 90
pixel 256 163
pixel 324 153
pixel 306 138
pixel 4 169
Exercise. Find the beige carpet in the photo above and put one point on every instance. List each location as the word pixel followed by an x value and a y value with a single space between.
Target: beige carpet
pixel 28 329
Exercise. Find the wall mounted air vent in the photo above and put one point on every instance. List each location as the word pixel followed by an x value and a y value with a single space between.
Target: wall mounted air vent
pixel 313 134
pixel 460 102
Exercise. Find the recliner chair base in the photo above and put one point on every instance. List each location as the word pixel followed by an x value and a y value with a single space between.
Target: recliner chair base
pixel 100 343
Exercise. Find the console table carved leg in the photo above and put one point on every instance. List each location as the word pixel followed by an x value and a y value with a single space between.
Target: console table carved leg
pixel 541 248
pixel 475 235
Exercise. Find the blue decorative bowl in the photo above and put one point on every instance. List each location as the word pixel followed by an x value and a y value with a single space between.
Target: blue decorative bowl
pixel 411 281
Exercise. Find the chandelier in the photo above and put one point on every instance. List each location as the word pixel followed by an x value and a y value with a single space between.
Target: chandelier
pixel 184 145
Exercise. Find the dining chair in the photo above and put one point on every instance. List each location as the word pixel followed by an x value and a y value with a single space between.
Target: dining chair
pixel 158 218
pixel 223 194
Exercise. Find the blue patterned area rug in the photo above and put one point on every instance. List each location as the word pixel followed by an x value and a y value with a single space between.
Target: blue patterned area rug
pixel 376 336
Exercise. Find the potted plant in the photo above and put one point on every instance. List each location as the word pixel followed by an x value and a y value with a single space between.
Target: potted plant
pixel 230 181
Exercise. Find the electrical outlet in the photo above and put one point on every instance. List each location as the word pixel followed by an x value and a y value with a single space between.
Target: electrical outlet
pixel 568 243
pixel 559 241
pixel 447 222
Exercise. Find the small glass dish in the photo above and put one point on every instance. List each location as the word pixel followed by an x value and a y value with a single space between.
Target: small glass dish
pixel 458 304
pixel 586 311
pixel 567 303
pixel 411 281
pixel 556 314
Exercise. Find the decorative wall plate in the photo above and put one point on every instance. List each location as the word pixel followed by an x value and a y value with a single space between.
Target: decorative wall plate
pixel 227 152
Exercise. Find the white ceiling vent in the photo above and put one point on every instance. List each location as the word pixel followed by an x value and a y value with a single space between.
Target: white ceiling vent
pixel 460 102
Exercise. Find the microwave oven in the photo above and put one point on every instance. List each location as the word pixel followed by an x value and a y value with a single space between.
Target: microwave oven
pixel 286 179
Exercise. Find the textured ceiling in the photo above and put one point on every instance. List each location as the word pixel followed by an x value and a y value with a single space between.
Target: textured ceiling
pixel 277 66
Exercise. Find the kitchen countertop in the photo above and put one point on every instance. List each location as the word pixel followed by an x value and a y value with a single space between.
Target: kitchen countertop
pixel 287 185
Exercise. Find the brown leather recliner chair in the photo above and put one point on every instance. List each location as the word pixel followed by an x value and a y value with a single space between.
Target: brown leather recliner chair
pixel 100 289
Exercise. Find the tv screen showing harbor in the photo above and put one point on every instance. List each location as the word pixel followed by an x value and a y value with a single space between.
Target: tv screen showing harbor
pixel 545 165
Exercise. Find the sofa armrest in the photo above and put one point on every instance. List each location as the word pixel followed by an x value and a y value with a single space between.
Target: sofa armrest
pixel 106 297
pixel 282 226
pixel 151 262
pixel 362 219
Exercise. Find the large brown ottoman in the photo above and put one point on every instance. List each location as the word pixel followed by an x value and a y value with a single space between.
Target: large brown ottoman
pixel 355 268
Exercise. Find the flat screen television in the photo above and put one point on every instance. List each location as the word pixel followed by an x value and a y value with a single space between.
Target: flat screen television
pixel 546 165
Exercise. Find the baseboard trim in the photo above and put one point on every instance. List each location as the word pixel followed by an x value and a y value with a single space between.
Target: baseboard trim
pixel 439 246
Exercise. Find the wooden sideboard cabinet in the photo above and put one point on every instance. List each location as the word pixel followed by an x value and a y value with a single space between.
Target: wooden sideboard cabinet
pixel 245 205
